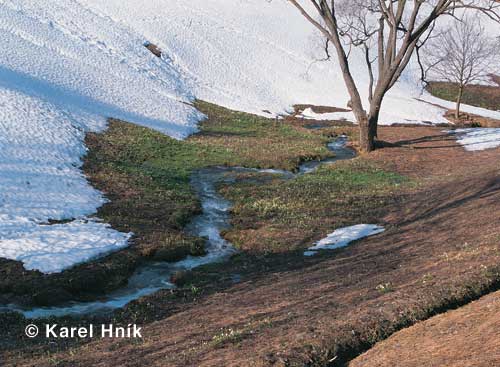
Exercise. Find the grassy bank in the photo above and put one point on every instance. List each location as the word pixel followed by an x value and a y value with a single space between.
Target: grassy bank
pixel 145 174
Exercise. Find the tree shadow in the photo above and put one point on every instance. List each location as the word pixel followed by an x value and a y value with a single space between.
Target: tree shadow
pixel 489 189
pixel 440 141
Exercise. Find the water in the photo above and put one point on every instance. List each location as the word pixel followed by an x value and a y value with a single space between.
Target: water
pixel 153 277
pixel 338 146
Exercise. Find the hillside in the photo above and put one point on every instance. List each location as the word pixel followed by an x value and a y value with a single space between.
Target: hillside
pixel 76 63
pixel 193 167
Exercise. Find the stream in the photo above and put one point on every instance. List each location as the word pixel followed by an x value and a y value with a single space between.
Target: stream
pixel 214 218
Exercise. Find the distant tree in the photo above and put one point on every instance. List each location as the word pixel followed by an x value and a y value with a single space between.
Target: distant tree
pixel 463 55
pixel 393 28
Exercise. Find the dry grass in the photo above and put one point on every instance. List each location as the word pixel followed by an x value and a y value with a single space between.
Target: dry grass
pixel 468 336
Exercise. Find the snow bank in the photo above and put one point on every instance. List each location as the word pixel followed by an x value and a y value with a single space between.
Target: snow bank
pixel 52 248
pixel 343 236
pixel 474 139
pixel 40 149
pixel 63 70
pixel 255 55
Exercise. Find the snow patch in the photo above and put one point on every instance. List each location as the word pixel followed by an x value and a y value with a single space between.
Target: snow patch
pixel 40 179
pixel 52 248
pixel 343 236
pixel 474 139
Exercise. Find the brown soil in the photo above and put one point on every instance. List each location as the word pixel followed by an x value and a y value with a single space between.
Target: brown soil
pixel 468 336
pixel 440 250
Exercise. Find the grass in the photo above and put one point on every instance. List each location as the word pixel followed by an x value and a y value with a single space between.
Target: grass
pixel 279 216
pixel 242 139
pixel 475 95
pixel 147 175
pixel 152 173
pixel 234 336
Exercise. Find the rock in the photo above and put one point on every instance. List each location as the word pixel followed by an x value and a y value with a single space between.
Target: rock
pixel 155 50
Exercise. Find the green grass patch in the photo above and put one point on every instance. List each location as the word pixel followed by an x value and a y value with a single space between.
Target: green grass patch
pixel 474 95
pixel 279 216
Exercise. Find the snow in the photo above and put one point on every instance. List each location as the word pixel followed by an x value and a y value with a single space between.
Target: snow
pixel 67 65
pixel 51 248
pixel 63 70
pixel 66 54
pixel 343 236
pixel 413 113
pixel 40 149
pixel 474 139
pixel 255 55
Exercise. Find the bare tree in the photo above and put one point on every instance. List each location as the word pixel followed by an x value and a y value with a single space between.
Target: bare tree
pixel 394 28
pixel 464 54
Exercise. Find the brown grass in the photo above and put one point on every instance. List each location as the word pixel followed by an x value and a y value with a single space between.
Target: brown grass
pixel 468 336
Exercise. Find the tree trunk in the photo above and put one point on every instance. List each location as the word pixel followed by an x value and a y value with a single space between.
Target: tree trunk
pixel 367 133
pixel 373 124
pixel 368 125
pixel 459 102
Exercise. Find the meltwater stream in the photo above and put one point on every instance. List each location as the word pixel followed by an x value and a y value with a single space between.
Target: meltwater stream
pixel 152 277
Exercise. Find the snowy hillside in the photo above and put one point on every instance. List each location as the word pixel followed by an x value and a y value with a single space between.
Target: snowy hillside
pixel 67 65
pixel 256 55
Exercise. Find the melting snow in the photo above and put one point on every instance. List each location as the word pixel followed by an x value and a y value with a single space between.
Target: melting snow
pixel 478 138
pixel 343 236
pixel 63 70
pixel 51 248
